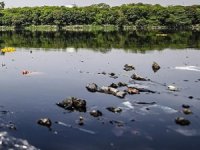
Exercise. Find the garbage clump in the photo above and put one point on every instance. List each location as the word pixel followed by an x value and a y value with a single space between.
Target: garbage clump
pixel 96 113
pixel 187 111
pixel 155 66
pixel 92 87
pixel 113 91
pixel 182 121
pixel 137 77
pixel 106 89
pixel 131 90
pixel 73 104
pixel 129 67
pixel 45 122
pixel 134 88
pixel 114 110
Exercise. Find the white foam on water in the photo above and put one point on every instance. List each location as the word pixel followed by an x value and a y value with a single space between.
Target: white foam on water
pixel 9 142
pixel 188 68
pixel 185 132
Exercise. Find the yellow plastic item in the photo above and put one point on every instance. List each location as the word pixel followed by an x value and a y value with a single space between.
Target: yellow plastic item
pixel 8 49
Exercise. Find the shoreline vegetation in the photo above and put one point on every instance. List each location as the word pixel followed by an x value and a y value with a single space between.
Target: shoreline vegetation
pixel 101 17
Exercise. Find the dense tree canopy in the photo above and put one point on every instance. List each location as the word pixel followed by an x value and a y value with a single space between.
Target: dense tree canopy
pixel 139 15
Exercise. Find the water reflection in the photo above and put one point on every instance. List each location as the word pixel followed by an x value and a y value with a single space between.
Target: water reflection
pixel 102 41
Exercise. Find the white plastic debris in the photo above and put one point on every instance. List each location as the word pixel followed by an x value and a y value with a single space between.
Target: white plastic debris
pixel 128 105
pixel 172 88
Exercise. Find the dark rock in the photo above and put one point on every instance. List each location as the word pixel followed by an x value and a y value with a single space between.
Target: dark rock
pixel 190 97
pixel 73 104
pixel 92 87
pixel 182 121
pixel 136 77
pixel 133 91
pixel 128 67
pixel 103 73
pixel 45 122
pixel 120 84
pixel 114 110
pixel 155 67
pixel 185 106
pixel 187 111
pixel 113 85
pixel 112 74
pixel 96 113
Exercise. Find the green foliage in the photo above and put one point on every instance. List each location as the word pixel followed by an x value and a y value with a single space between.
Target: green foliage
pixel 139 15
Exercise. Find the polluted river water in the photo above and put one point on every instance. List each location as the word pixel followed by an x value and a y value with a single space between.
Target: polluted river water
pixel 45 104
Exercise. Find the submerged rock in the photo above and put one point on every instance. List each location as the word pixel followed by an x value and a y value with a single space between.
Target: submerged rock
pixel 92 87
pixel 117 123
pixel 45 122
pixel 136 77
pixel 185 106
pixel 96 113
pixel 114 110
pixel 129 67
pixel 182 121
pixel 155 67
pixel 73 104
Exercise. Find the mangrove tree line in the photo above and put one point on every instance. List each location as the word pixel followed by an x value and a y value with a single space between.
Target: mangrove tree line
pixel 139 15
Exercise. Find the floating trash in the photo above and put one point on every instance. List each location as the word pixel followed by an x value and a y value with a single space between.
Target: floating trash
pixel 8 49
pixel 172 88
pixel 128 105
pixel 45 122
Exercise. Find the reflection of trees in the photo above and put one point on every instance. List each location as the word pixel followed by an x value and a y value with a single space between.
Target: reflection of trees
pixel 101 41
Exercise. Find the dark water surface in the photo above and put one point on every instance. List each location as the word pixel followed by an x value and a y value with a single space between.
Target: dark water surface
pixel 62 64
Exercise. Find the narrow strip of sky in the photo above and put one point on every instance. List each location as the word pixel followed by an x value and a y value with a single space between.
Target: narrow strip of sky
pixel 22 3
